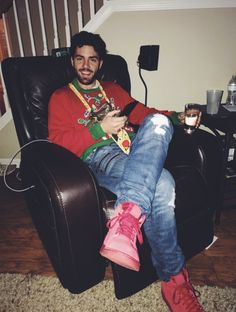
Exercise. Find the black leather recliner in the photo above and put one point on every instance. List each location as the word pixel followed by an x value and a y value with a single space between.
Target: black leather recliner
pixel 65 202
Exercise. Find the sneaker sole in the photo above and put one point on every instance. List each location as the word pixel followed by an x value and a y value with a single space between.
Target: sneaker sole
pixel 167 303
pixel 120 258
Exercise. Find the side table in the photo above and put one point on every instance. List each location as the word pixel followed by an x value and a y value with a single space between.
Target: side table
pixel 222 122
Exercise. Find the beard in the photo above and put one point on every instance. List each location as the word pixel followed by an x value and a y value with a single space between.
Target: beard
pixel 86 76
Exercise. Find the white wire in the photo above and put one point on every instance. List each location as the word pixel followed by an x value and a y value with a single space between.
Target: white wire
pixel 13 157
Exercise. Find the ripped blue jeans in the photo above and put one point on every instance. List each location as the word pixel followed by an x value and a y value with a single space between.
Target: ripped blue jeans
pixel 140 178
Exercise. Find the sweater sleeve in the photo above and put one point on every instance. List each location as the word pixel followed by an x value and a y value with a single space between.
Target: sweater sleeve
pixel 63 126
pixel 141 111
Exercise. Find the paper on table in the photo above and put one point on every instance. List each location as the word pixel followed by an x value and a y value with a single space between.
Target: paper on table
pixel 230 108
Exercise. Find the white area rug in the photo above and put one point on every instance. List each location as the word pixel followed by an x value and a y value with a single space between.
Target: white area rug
pixel 26 293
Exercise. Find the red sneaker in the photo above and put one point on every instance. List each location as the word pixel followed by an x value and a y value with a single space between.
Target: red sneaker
pixel 119 245
pixel 180 295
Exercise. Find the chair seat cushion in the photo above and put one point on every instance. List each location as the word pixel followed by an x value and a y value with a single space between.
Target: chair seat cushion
pixel 191 193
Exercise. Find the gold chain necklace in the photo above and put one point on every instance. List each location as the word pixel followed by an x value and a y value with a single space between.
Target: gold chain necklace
pixel 82 99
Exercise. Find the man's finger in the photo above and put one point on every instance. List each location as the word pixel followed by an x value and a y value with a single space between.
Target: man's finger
pixel 113 113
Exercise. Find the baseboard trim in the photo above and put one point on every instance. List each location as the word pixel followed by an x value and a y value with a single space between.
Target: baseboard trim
pixel 6 161
pixel 5 119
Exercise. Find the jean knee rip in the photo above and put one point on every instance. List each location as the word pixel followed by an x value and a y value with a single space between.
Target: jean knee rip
pixel 161 123
pixel 172 199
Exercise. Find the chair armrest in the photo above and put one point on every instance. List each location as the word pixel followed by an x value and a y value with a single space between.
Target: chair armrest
pixel 66 209
pixel 66 176
pixel 202 151
pixel 199 149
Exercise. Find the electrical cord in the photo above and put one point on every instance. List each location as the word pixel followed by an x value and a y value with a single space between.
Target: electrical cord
pixel 13 157
pixel 145 86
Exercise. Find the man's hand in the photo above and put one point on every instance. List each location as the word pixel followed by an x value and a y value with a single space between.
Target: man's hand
pixel 112 123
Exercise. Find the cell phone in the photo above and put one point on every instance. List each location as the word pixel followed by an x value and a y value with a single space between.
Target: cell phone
pixel 128 109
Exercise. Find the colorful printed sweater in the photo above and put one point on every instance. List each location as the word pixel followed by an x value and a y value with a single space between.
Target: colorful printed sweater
pixel 69 121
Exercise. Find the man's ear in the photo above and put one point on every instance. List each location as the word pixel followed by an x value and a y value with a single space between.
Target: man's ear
pixel 72 61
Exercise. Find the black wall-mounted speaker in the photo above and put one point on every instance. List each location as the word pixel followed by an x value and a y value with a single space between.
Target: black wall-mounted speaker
pixel 148 57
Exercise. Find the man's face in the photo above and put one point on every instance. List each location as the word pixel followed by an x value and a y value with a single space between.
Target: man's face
pixel 86 63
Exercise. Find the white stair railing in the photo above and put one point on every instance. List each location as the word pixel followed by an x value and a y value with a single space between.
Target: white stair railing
pixel 18 29
pixel 54 22
pixel 67 25
pixel 80 15
pixel 30 27
pixel 43 28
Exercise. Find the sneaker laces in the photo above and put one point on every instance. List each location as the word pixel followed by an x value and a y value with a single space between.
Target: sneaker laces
pixel 187 295
pixel 128 226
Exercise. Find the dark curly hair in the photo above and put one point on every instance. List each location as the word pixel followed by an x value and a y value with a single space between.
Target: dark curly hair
pixel 87 38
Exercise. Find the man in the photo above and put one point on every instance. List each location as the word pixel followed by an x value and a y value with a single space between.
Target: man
pixel 84 118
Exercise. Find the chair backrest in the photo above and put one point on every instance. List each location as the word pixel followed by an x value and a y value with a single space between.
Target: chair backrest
pixel 30 81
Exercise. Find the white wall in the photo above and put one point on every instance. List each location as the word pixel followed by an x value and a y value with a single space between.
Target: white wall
pixel 197 52
pixel 8 143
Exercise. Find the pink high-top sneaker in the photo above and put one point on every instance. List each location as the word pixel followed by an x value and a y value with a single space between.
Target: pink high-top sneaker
pixel 119 245
pixel 180 295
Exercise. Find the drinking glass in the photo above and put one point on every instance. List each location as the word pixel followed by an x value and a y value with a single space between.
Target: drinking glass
pixel 213 101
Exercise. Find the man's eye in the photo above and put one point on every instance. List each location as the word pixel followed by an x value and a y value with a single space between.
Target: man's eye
pixel 94 60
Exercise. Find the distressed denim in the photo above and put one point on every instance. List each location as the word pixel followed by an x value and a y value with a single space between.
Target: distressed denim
pixel 140 178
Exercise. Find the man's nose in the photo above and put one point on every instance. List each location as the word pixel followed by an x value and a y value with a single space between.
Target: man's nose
pixel 86 63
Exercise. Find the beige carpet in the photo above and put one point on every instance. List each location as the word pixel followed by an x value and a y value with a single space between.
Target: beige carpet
pixel 26 293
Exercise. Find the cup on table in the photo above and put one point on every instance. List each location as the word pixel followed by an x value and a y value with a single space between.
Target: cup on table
pixel 214 98
pixel 192 113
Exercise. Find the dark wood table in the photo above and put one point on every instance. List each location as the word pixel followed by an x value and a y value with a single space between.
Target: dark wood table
pixel 223 125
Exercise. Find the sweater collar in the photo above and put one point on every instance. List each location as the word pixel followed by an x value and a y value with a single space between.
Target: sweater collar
pixel 78 87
